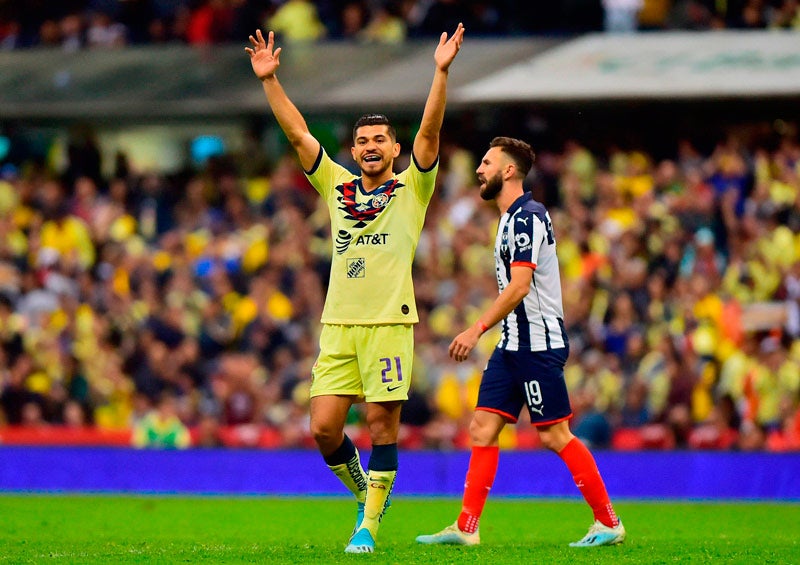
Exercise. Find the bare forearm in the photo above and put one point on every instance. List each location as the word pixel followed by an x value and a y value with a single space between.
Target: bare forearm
pixel 286 113
pixel 292 123
pixel 433 115
pixel 503 305
pixel 426 143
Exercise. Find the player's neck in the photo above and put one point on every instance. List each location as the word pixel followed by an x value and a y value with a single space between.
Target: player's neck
pixel 370 183
pixel 508 195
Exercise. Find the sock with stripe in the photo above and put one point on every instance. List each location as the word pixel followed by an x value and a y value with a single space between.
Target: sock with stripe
pixel 480 478
pixel 346 464
pixel 380 481
pixel 583 467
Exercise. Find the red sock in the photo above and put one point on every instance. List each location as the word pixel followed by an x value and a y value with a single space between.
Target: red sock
pixel 587 478
pixel 480 477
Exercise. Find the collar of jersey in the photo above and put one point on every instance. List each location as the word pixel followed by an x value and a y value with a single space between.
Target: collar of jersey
pixel 518 203
pixel 381 188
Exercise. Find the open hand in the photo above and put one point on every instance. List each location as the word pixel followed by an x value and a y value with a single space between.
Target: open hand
pixel 464 343
pixel 263 58
pixel 447 49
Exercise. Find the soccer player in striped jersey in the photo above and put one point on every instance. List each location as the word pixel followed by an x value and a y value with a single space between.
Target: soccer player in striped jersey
pixel 367 340
pixel 527 367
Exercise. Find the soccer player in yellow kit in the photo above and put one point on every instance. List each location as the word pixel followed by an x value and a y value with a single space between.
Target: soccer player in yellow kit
pixel 367 340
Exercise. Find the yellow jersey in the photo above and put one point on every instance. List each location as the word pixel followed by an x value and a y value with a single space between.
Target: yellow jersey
pixel 375 235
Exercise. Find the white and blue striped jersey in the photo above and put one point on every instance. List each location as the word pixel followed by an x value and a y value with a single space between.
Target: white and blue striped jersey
pixel 525 237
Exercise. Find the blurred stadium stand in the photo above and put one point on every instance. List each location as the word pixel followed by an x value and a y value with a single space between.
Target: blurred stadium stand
pixel 592 104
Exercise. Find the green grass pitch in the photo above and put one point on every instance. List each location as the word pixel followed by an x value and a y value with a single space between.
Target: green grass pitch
pixel 165 529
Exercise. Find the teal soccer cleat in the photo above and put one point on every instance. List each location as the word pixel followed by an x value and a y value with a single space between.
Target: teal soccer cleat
pixel 359 518
pixel 451 535
pixel 599 534
pixel 361 542
pixel 360 514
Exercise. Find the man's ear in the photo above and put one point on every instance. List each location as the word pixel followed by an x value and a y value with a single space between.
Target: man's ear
pixel 396 150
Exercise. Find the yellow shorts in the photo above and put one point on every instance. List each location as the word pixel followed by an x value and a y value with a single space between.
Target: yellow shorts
pixel 371 362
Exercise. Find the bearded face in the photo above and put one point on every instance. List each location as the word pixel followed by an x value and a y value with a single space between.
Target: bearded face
pixel 491 187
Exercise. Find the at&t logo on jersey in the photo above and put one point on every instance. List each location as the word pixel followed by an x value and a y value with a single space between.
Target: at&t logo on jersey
pixel 372 239
pixel 344 239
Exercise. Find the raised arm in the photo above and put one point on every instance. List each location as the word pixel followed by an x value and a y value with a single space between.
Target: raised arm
pixel 265 60
pixel 426 143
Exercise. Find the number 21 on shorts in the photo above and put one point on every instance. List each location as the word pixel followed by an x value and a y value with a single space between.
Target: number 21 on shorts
pixel 391 367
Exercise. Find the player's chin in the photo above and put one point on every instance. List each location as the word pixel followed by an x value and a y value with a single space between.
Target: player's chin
pixel 372 169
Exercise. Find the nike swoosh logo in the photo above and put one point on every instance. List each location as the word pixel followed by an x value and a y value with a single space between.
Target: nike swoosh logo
pixel 392 388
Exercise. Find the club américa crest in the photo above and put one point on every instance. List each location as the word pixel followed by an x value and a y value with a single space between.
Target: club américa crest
pixel 364 212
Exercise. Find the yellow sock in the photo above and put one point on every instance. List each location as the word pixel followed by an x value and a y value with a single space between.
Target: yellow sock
pixel 352 476
pixel 379 487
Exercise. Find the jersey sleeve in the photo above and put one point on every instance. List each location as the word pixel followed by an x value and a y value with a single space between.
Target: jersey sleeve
pixel 422 182
pixel 325 174
pixel 527 234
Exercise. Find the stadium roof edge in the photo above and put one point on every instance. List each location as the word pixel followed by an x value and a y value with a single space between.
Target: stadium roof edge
pixel 156 82
pixel 180 81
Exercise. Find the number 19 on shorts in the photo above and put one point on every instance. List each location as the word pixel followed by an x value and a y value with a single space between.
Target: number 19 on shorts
pixel 533 392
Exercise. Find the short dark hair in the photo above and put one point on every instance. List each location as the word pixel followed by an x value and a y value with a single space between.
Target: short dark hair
pixel 519 151
pixel 375 120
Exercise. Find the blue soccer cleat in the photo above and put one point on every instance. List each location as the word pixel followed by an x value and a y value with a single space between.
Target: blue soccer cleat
pixel 361 542
pixel 599 534
pixel 359 519
pixel 360 514
pixel 451 535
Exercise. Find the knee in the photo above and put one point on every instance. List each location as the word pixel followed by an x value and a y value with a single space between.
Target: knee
pixel 481 434
pixel 555 440
pixel 325 435
pixel 382 430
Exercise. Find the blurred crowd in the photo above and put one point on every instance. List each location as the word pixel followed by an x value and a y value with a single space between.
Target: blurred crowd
pixel 185 307
pixel 78 24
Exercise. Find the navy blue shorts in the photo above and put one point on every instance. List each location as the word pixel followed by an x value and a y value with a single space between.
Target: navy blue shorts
pixel 531 378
